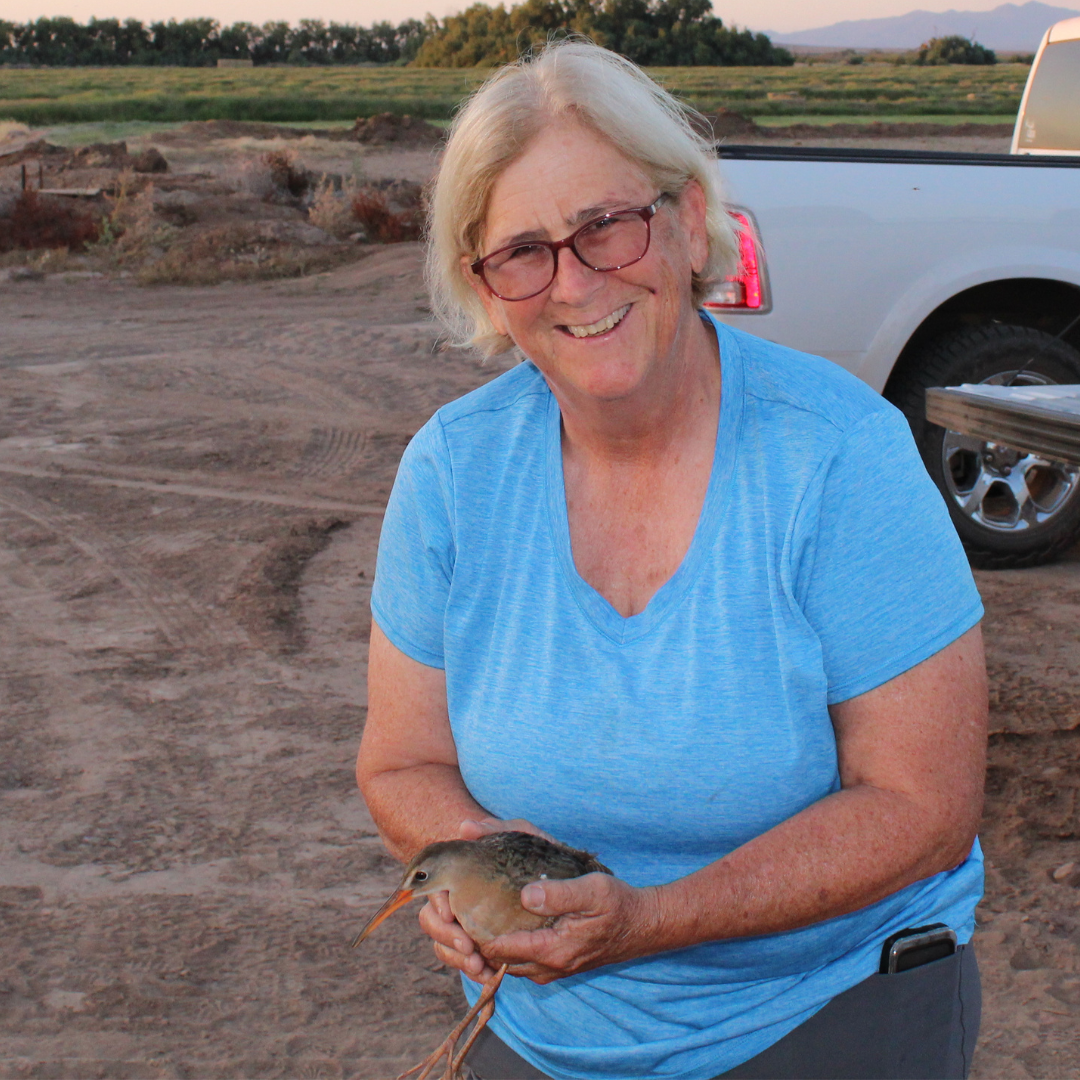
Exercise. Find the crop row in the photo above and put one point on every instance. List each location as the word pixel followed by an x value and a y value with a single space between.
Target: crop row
pixel 54 96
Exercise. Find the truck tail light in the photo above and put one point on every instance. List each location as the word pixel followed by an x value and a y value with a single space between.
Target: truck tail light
pixel 746 289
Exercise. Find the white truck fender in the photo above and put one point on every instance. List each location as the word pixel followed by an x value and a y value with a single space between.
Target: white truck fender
pixel 945 280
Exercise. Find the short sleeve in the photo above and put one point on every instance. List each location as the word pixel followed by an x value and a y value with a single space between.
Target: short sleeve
pixel 877 567
pixel 416 550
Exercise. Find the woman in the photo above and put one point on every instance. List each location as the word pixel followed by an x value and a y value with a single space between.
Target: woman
pixel 653 592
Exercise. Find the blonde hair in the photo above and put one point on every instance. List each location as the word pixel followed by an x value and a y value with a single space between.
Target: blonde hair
pixel 605 92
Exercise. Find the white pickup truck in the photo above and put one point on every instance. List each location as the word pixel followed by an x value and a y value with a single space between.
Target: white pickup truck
pixel 916 269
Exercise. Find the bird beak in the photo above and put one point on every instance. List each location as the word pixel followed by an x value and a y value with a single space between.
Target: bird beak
pixel 398 900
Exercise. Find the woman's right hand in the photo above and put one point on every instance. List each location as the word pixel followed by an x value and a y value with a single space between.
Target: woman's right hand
pixel 452 945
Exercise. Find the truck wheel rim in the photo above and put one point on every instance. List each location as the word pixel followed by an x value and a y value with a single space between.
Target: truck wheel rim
pixel 1005 490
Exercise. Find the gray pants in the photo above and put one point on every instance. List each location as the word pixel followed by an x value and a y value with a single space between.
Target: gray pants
pixel 918 1025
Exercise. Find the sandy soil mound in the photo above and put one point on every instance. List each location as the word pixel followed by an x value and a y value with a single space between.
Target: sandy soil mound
pixel 878 130
pixel 34 151
pixel 386 129
pixel 116 156
pixel 727 123
pixel 211 130
pixel 113 156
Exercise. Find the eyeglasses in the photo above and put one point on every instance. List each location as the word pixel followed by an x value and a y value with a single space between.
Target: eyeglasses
pixel 610 242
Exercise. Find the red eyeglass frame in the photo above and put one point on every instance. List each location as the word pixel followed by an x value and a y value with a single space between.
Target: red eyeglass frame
pixel 646 213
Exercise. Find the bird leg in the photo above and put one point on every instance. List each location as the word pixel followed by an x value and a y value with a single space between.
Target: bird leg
pixel 481 1012
pixel 485 1014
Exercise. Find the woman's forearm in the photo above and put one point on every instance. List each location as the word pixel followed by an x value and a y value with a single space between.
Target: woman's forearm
pixel 845 852
pixel 417 805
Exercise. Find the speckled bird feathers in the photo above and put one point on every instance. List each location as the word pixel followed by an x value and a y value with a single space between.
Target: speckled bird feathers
pixel 523 857
pixel 517 856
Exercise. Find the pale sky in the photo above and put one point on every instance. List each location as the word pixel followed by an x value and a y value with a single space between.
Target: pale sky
pixel 782 15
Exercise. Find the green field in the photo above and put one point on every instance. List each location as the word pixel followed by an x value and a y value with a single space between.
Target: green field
pixel 876 90
pixel 307 94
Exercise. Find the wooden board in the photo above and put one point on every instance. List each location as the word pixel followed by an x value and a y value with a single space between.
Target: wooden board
pixel 1043 420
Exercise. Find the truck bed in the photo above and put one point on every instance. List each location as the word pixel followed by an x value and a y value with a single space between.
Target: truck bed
pixel 860 247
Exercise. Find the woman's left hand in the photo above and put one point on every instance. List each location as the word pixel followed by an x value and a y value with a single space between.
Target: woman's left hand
pixel 601 920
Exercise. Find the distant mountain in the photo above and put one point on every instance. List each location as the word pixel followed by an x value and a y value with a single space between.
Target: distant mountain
pixel 1009 28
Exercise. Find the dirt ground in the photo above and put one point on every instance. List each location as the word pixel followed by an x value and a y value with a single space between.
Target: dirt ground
pixel 191 483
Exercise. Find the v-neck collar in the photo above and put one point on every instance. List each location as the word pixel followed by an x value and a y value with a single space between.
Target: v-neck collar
pixel 596 608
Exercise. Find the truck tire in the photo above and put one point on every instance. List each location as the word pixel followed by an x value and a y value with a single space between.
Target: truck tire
pixel 1010 509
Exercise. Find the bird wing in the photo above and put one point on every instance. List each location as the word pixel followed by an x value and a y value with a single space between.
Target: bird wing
pixel 524 857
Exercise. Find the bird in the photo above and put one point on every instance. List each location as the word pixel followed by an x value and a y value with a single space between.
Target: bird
pixel 484 879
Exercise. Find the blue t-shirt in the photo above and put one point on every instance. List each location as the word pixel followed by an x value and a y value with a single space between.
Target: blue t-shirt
pixel 823 565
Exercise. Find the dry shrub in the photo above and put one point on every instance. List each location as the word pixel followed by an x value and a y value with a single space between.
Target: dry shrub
pixel 276 175
pixel 36 221
pixel 254 178
pixel 219 254
pixel 45 261
pixel 57 260
pixel 237 253
pixel 286 173
pixel 134 221
pixel 132 231
pixel 332 210
pixel 384 224
pixel 12 130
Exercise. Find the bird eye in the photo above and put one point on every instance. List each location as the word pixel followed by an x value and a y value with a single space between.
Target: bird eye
pixel 420 875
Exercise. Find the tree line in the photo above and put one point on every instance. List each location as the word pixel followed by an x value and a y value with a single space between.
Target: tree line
pixel 649 32
pixel 660 32
pixel 62 42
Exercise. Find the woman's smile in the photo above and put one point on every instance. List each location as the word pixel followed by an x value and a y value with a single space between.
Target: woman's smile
pixel 601 326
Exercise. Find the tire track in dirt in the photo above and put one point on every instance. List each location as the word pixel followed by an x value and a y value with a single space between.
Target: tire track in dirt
pixel 155 400
pixel 54 727
pixel 331 451
pixel 350 390
pixel 183 622
pixel 181 487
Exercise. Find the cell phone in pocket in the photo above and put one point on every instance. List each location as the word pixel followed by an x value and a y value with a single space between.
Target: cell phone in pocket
pixel 915 946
